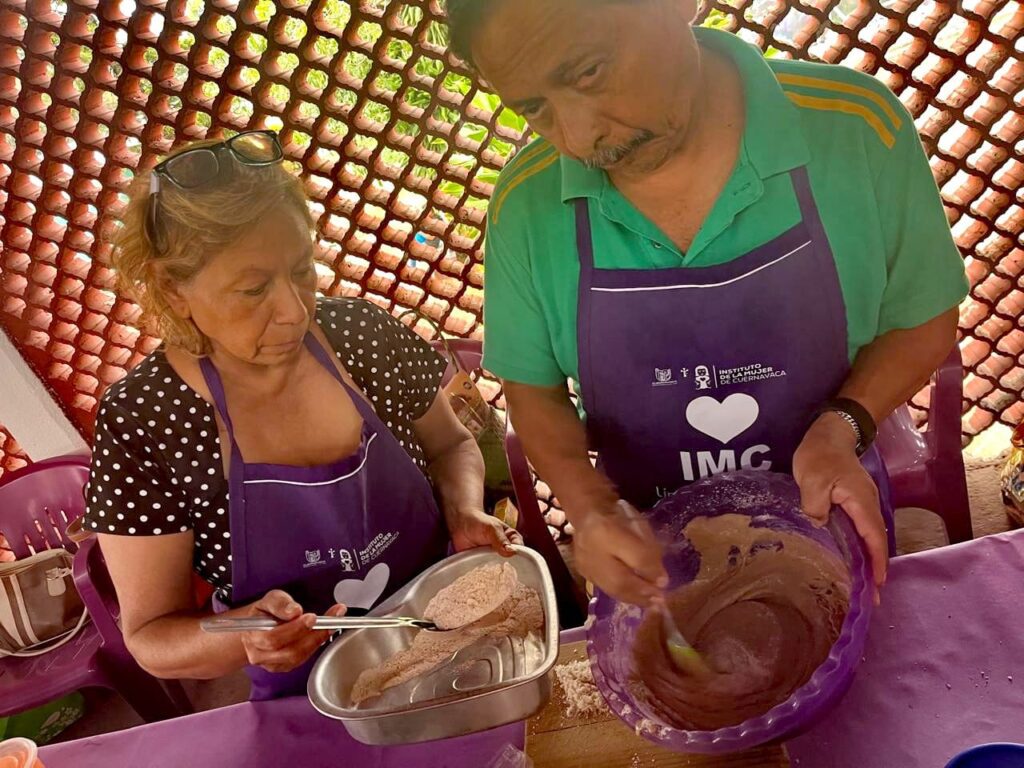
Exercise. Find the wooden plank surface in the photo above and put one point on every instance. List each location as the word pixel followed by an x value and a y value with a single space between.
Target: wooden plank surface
pixel 603 741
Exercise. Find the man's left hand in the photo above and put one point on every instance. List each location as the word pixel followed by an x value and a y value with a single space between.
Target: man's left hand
pixel 829 474
pixel 478 529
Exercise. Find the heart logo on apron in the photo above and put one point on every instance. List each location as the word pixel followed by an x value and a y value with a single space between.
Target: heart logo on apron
pixel 363 593
pixel 723 420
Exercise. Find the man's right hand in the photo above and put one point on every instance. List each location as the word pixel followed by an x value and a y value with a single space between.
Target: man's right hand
pixel 615 550
pixel 620 554
pixel 286 647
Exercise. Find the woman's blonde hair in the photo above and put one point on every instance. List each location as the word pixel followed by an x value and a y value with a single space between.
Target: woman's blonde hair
pixel 196 225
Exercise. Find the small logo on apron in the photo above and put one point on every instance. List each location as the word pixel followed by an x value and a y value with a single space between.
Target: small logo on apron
pixel 313 558
pixel 663 378
pixel 702 377
pixel 345 558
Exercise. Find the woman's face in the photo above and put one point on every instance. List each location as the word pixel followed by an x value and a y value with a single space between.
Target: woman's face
pixel 255 300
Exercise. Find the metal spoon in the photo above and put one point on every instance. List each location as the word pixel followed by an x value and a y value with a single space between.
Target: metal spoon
pixel 331 623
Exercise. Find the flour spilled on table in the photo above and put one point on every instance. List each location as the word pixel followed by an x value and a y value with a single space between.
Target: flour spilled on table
pixel 582 697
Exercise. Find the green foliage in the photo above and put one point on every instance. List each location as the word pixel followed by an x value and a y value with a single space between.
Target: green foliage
pixel 225 25
pixel 265 10
pixel 194 10
pixel 318 79
pixel 294 29
pixel 716 19
pixel 369 32
pixel 327 47
pixel 337 14
pixel 256 43
pixel 357 65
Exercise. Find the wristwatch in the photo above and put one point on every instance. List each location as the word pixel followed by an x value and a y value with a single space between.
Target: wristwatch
pixel 857 416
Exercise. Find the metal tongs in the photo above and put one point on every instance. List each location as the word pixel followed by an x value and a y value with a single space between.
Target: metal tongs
pixel 331 623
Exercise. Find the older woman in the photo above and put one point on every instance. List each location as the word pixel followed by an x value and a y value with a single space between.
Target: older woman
pixel 280 445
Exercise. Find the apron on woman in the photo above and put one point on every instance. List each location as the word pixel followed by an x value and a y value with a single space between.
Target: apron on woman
pixel 693 371
pixel 351 531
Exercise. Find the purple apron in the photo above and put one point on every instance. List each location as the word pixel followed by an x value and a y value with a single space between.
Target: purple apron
pixel 351 531
pixel 692 371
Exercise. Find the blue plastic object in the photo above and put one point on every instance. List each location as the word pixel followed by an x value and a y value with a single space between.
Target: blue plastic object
pixel 990 756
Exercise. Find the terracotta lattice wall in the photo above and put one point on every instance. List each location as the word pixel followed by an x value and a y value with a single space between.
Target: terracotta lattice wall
pixel 12 457
pixel 399 151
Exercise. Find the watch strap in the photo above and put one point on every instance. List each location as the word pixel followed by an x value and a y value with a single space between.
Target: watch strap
pixel 857 416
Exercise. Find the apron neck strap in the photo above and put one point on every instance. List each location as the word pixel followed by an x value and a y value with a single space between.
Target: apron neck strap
pixel 323 357
pixel 216 387
pixel 808 209
pixel 220 402
pixel 316 349
pixel 584 238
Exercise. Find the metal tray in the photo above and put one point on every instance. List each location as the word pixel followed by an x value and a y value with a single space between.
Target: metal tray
pixel 483 686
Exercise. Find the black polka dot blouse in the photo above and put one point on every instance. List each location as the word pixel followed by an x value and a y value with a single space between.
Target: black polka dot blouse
pixel 156 461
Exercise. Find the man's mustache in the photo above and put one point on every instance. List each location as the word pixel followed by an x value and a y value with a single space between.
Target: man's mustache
pixel 605 158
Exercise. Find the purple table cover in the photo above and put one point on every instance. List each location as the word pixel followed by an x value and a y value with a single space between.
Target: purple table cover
pixel 285 733
pixel 943 671
pixel 944 664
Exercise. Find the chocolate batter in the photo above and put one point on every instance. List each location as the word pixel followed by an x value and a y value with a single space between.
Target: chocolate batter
pixel 764 611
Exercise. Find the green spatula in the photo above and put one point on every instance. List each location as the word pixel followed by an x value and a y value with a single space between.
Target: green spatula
pixel 685 657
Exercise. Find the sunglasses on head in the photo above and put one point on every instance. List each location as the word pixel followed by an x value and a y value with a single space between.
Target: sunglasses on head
pixel 199 166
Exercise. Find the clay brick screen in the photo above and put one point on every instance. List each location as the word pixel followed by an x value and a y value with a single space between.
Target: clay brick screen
pixel 399 151
pixel 11 455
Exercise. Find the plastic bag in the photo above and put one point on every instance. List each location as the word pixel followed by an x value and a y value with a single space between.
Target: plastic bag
pixel 510 757
pixel 1011 479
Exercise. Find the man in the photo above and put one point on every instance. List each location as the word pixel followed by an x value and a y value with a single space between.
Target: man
pixel 742 263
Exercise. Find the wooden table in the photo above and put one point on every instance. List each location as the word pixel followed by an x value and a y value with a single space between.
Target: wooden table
pixel 603 741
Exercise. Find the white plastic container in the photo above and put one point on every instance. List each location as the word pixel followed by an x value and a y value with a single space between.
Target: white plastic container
pixel 23 752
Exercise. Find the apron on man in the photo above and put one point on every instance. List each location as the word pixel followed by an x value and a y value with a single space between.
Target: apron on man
pixel 692 371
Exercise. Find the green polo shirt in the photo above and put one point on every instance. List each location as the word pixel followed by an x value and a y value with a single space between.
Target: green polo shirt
pixel 897 263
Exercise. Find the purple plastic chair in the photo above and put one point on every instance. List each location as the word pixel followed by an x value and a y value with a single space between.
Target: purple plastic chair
pixel 926 468
pixel 572 602
pixel 36 505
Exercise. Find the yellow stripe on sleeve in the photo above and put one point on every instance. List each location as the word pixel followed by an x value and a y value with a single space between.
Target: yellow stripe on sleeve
pixel 545 161
pixel 821 83
pixel 849 108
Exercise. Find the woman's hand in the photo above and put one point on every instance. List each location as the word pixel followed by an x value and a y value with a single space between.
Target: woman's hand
pixel 286 647
pixel 478 529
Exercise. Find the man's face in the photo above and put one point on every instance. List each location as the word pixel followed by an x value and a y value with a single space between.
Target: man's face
pixel 611 84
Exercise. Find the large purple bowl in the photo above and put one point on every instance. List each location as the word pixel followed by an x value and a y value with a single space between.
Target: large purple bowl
pixel 773 500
